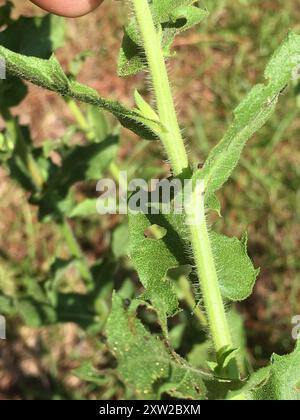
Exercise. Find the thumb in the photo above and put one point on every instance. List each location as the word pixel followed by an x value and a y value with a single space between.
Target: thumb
pixel 68 8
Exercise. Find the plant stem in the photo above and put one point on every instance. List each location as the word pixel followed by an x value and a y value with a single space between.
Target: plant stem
pixel 207 273
pixel 76 111
pixel 185 288
pixel 176 152
pixel 171 139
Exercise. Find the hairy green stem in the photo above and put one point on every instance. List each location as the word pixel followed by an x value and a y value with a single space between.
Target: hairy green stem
pixel 176 152
pixel 207 273
pixel 171 139
pixel 185 288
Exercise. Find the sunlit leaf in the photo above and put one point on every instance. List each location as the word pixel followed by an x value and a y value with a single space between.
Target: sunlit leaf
pixel 145 361
pixel 252 114
pixel 48 74
pixel 279 381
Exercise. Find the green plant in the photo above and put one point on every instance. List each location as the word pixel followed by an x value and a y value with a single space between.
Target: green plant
pixel 147 360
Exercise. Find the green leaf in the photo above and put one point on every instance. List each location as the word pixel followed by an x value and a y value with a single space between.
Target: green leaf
pixel 200 354
pixel 87 162
pixel 6 147
pixel 42 303
pixel 279 381
pixel 77 62
pixel 35 314
pixel 48 74
pixel 79 309
pixel 88 310
pixel 80 163
pixel 98 124
pixel 145 361
pixel 120 239
pixel 143 106
pixel 62 308
pixel 26 164
pixel 88 373
pixel 212 203
pixel 6 305
pixel 238 334
pixel 252 114
pixel 171 17
pixel 12 92
pixel 146 252
pixel 40 35
pixel 236 273
pixel 225 367
pixel 85 208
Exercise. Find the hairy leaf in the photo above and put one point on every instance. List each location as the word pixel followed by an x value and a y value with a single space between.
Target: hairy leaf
pixel 236 273
pixel 145 361
pixel 279 381
pixel 48 74
pixel 252 114
pixel 154 257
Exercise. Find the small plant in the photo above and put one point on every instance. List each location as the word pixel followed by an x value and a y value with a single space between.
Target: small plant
pixel 180 255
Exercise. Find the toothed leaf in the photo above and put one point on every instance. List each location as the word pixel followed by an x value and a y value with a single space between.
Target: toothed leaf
pixel 236 273
pixel 153 258
pixel 145 361
pixel 279 381
pixel 252 114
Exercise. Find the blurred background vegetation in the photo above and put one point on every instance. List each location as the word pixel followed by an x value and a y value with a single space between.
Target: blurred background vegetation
pixel 215 66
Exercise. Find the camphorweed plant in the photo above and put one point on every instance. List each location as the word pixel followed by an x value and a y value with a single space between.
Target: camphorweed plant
pixel 188 249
